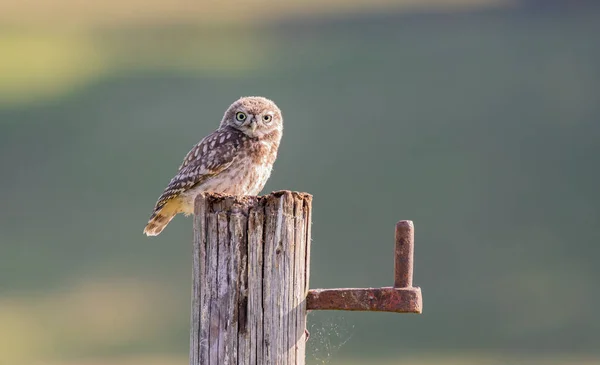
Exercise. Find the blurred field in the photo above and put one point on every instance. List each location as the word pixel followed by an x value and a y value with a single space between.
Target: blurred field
pixel 476 119
pixel 38 65
pixel 86 319
pixel 58 46
pixel 85 14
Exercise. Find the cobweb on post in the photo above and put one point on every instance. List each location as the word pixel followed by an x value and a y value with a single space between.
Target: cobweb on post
pixel 327 336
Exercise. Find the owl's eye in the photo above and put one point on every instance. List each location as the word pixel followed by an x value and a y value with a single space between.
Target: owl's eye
pixel 240 117
pixel 267 118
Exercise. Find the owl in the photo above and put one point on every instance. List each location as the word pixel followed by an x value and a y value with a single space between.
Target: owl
pixel 236 159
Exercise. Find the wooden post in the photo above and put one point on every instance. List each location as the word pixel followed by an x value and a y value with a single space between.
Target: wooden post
pixel 250 279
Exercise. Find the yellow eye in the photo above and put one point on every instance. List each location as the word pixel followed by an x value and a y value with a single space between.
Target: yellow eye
pixel 240 117
pixel 267 118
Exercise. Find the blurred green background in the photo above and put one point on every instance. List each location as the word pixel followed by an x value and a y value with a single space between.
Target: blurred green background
pixel 477 119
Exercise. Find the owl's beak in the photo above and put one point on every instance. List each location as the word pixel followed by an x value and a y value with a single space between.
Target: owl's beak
pixel 253 124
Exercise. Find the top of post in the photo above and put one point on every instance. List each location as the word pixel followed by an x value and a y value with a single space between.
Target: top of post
pixel 222 202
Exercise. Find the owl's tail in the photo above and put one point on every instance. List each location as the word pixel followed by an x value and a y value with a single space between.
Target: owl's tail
pixel 160 218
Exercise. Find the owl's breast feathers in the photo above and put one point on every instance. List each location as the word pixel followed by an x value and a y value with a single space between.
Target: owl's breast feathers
pixel 264 150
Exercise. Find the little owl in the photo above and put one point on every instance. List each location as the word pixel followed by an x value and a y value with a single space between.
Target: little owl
pixel 236 159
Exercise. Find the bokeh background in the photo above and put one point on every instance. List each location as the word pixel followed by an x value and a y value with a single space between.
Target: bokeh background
pixel 477 119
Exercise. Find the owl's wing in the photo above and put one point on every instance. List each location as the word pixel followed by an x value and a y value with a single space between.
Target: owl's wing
pixel 213 154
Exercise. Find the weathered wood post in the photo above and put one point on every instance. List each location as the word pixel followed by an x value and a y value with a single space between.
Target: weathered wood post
pixel 250 279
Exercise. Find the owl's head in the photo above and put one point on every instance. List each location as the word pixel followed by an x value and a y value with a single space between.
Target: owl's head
pixel 255 116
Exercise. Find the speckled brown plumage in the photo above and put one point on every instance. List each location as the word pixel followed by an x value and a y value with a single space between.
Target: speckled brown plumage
pixel 236 159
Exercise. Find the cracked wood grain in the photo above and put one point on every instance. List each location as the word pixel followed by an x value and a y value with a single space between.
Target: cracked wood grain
pixel 250 279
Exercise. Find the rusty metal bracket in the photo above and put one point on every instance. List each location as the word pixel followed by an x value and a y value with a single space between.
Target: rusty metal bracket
pixel 401 298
